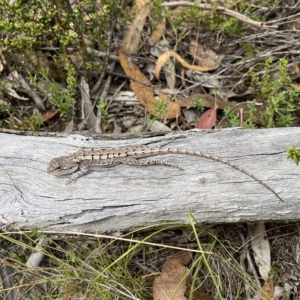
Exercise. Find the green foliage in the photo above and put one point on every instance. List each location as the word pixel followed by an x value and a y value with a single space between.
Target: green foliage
pixel 63 99
pixel 198 104
pixel 280 103
pixel 192 14
pixel 294 154
pixel 93 266
pixel 279 100
pixel 31 123
pixel 250 50
pixel 68 100
pixel 22 120
pixel 149 121
pixel 158 12
pixel 21 24
pixel 160 108
pixel 102 106
pixel 26 27
pixel 267 86
pixel 32 25
pixel 234 120
pixel 230 26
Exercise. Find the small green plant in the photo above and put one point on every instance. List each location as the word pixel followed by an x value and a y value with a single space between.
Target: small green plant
pixel 102 106
pixel 198 104
pixel 278 99
pixel 20 119
pixel 232 27
pixel 234 119
pixel 279 102
pixel 43 24
pixel 63 99
pixel 294 154
pixel 158 11
pixel 160 108
pixel 250 50
pixel 149 121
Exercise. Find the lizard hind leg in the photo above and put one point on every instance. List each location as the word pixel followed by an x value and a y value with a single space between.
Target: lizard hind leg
pixel 83 170
pixel 147 162
pixel 164 143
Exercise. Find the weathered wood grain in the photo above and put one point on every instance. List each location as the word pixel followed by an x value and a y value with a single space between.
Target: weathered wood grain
pixel 125 197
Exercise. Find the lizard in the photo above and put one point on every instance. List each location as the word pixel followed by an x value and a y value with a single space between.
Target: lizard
pixel 78 163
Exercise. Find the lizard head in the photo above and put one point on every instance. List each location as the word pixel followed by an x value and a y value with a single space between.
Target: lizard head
pixel 62 166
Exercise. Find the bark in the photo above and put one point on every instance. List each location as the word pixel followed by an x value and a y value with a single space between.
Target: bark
pixel 125 197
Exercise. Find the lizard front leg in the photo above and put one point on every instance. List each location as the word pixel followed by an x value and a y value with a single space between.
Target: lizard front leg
pixel 83 170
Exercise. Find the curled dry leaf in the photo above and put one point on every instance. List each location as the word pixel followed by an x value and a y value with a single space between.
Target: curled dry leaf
pixel 171 284
pixel 142 90
pixel 166 56
pixel 158 32
pixel 204 57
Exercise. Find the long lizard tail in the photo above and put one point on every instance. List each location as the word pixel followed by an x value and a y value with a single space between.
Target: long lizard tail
pixel 218 159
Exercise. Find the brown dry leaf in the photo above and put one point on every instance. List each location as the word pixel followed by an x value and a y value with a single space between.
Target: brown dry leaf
pixel 166 56
pixel 208 119
pixel 144 93
pixel 171 284
pixel 133 34
pixel 158 32
pixel 204 57
pixel 268 289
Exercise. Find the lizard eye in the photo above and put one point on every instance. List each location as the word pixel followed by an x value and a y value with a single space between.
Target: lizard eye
pixel 58 166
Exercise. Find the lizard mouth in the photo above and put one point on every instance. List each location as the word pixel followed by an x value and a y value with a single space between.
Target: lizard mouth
pixel 62 172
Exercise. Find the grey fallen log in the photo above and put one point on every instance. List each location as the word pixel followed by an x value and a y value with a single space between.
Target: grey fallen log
pixel 125 197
